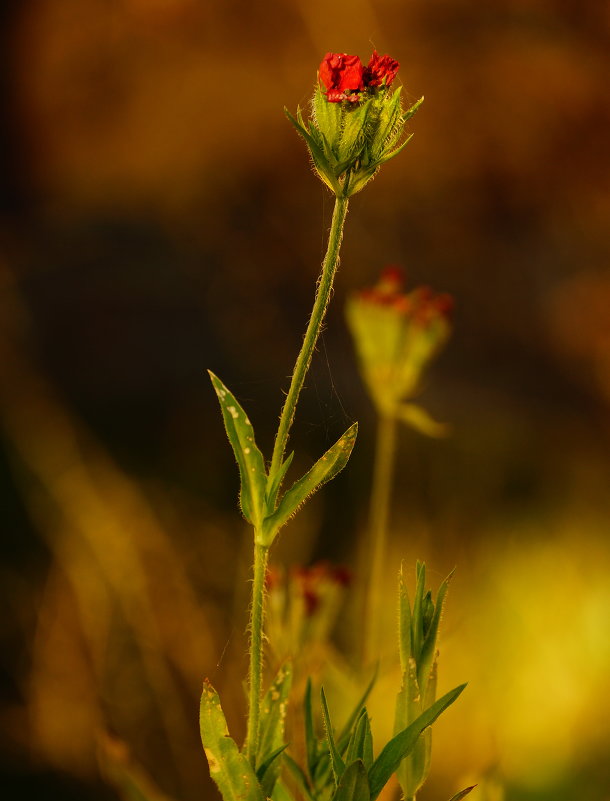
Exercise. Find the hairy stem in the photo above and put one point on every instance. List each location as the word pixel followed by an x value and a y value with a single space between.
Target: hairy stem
pixel 255 677
pixel 385 450
pixel 257 611
pixel 329 267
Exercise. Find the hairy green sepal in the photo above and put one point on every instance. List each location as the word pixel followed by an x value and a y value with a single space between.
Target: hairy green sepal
pixel 348 142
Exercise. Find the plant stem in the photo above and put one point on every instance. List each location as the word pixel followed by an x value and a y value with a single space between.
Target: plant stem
pixel 257 610
pixel 385 451
pixel 329 267
pixel 255 684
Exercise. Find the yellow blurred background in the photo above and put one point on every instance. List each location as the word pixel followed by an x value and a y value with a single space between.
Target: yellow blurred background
pixel 159 217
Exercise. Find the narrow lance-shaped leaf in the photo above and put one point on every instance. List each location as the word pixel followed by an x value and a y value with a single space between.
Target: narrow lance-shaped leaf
pixel 355 747
pixel 429 645
pixel 403 743
pixel 311 743
pixel 417 630
pixel 268 772
pixel 229 768
pixel 368 757
pixel 249 458
pixel 411 771
pixel 462 793
pixel 404 623
pixel 354 784
pixel 273 713
pixel 336 762
pixel 274 482
pixel 327 467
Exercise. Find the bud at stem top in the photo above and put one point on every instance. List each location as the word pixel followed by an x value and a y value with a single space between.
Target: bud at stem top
pixel 357 123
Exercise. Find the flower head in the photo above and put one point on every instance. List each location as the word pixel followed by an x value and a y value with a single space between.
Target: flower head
pixel 357 123
pixel 397 334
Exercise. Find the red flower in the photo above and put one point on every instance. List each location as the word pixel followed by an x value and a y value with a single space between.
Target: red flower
pixel 421 305
pixel 340 74
pixel 380 69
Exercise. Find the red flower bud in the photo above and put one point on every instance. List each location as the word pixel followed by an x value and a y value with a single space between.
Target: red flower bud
pixel 380 69
pixel 341 73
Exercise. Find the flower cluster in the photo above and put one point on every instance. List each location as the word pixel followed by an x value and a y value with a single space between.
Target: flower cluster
pixel 357 122
pixel 396 334
pixel 345 77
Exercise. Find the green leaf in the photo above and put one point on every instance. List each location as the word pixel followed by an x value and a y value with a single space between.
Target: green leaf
pixel 360 745
pixel 417 629
pixel 327 467
pixel 428 649
pixel 419 419
pixel 337 764
pixel 367 752
pixel 271 733
pixel 311 742
pixel 229 768
pixel 274 482
pixel 354 784
pixel 404 623
pixel 273 713
pixel 249 458
pixel 462 793
pixel 403 743
pixel 268 772
pixel 414 768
